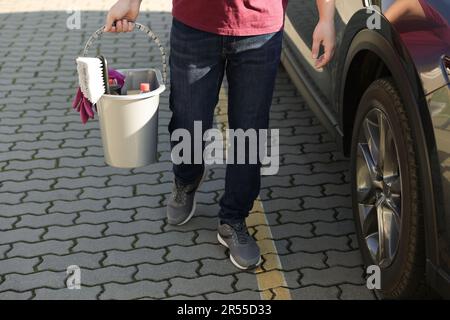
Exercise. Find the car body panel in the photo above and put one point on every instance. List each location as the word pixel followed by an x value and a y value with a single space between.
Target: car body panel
pixel 422 80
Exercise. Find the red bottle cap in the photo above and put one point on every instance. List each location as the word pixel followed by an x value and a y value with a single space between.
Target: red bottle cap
pixel 145 87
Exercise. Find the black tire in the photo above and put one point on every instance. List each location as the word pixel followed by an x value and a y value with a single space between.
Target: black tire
pixel 404 276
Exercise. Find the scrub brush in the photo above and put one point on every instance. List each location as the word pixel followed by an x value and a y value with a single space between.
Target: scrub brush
pixel 93 77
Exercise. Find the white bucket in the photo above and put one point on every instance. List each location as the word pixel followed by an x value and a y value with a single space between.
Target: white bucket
pixel 129 123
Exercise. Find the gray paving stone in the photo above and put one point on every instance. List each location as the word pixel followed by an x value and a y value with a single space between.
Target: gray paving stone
pixel 237 296
pixel 7 223
pixel 16 155
pixel 74 231
pixel 281 204
pixel 61 262
pixel 290 230
pixel 306 158
pixel 85 293
pixel 135 256
pixel 196 223
pixel 20 234
pixel 344 213
pixel 36 145
pixel 315 293
pixel 299 260
pixel 52 195
pixel 23 249
pixel 332 276
pixel 334 228
pixel 21 186
pixel 23 208
pixel 273 181
pixel 306 216
pixel 21 282
pixel 13 295
pixel 154 190
pixel 62 219
pixel 201 285
pixel 352 292
pixel 334 166
pixel 77 206
pixel 105 216
pixel 62 152
pixel 206 236
pixel 17 265
pixel 30 164
pixel 14 175
pixel 165 239
pixel 326 202
pixel 76 183
pixel 217 267
pixel 167 270
pixel 196 252
pixel 55 173
pixel 246 281
pixel 347 259
pixel 104 244
pixel 182 297
pixel 81 162
pixel 102 171
pixel 337 189
pixel 109 192
pixel 135 290
pixel 107 274
pixel 143 178
pixel 295 192
pixel 143 226
pixel 353 241
pixel 11 198
pixel 150 213
pixel 134 202
pixel 316 179
pixel 319 244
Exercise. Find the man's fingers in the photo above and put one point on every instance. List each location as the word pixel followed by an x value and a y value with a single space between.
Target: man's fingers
pixel 109 23
pixel 125 25
pixel 119 26
pixel 130 26
pixel 316 48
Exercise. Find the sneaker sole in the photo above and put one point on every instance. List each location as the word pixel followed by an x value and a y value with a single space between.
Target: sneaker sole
pixel 222 242
pixel 194 206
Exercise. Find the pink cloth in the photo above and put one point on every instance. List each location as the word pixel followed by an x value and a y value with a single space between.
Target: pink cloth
pixel 84 106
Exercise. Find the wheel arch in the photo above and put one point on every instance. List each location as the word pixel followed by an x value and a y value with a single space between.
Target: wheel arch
pixel 381 52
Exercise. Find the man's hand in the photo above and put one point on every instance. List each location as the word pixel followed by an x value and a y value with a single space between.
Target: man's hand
pixel 124 14
pixel 324 34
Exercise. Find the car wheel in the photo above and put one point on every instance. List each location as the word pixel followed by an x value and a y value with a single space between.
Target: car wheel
pixel 385 192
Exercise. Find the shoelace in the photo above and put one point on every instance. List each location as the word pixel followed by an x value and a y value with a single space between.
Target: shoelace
pixel 241 232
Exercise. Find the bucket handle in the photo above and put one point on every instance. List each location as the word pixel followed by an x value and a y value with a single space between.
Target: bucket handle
pixel 96 35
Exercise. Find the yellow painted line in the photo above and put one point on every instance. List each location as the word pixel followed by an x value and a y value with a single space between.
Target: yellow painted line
pixel 269 276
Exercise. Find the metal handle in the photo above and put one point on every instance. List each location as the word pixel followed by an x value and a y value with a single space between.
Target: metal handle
pixel 97 34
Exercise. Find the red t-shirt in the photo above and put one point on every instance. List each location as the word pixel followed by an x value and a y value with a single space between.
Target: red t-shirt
pixel 232 17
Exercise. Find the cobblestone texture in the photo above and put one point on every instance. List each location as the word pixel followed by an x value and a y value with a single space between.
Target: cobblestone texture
pixel 60 205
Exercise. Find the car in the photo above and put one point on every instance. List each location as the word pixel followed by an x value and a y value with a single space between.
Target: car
pixel 385 98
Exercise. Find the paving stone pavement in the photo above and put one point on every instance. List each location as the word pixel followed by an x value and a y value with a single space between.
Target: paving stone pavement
pixel 60 205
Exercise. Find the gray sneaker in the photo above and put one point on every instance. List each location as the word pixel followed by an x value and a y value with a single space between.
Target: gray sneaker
pixel 244 252
pixel 181 206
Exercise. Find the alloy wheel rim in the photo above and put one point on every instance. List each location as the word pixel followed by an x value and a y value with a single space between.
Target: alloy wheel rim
pixel 379 187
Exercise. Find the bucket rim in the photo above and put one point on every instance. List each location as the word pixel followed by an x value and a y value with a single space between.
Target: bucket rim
pixel 161 87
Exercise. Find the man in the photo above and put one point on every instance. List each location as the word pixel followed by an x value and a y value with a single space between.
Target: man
pixel 241 38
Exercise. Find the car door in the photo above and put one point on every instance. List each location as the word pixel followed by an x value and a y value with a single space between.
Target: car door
pixel 301 19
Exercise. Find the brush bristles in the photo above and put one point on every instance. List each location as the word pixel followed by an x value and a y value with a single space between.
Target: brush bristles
pixel 90 76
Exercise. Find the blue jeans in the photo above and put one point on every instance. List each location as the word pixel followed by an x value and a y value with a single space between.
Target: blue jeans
pixel 198 61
